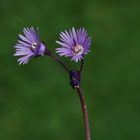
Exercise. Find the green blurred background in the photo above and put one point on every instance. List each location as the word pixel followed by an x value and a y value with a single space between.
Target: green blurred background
pixel 36 100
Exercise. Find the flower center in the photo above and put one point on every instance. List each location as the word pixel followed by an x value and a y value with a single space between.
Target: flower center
pixel 34 46
pixel 77 50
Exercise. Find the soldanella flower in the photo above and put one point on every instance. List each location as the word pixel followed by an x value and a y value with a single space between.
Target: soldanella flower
pixel 74 44
pixel 29 45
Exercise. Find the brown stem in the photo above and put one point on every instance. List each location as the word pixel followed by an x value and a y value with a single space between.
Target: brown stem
pixel 60 62
pixel 79 91
pixel 82 65
pixel 85 113
pixel 56 58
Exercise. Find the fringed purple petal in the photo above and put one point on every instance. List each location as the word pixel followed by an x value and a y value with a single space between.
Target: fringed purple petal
pixel 24 60
pixel 63 44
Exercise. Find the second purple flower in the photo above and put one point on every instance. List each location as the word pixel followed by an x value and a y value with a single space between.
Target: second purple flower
pixel 74 44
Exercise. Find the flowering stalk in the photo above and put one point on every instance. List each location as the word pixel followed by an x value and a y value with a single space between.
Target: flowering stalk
pixel 74 44
pixel 75 82
pixel 75 77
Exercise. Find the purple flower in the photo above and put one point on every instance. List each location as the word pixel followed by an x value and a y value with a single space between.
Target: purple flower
pixel 74 44
pixel 29 45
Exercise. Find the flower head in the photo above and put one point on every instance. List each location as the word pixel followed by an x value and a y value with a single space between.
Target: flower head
pixel 29 45
pixel 74 44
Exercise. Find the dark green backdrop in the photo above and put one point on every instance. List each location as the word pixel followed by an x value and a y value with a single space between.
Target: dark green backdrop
pixel 36 101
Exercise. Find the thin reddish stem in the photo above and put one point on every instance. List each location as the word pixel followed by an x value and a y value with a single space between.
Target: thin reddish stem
pixel 85 113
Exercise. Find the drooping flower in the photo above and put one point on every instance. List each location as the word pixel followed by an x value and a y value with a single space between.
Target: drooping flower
pixel 29 45
pixel 74 44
